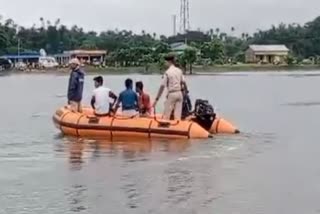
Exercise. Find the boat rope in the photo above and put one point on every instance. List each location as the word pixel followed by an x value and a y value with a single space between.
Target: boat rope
pixel 162 122
pixel 125 117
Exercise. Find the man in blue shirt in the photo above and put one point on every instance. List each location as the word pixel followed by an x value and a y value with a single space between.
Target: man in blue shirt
pixel 128 100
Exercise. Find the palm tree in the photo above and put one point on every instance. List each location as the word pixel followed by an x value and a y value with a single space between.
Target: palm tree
pixel 163 37
pixel 217 31
pixel 211 32
pixel 243 36
pixel 43 25
pixel 3 38
pixel 247 36
pixel 190 56
pixel 223 36
pixel 9 23
pixel 232 31
pixel 57 23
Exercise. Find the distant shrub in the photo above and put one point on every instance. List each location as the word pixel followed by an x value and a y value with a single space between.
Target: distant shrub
pixel 218 62
pixel 291 60
pixel 307 62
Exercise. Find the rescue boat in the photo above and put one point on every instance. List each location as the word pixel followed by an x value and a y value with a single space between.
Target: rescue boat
pixel 86 124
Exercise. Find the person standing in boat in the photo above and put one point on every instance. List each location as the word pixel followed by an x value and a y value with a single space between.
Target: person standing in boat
pixel 174 81
pixel 144 100
pixel 128 99
pixel 100 101
pixel 75 88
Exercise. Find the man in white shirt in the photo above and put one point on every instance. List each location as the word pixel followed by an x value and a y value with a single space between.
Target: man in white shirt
pixel 100 101
pixel 174 81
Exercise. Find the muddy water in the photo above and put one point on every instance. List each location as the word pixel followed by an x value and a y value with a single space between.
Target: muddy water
pixel 272 167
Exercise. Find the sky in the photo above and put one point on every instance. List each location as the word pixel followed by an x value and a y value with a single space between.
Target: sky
pixel 156 15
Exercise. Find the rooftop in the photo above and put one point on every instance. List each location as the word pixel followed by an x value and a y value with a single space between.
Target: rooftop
pixel 88 52
pixel 20 56
pixel 179 46
pixel 269 48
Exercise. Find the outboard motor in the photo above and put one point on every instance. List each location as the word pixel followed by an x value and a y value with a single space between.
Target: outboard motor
pixel 204 114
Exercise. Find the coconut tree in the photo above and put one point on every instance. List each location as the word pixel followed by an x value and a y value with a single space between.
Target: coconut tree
pixel 145 61
pixel 190 56
pixel 217 31
pixel 211 33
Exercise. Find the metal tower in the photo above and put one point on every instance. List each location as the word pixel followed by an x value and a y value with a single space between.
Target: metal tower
pixel 174 20
pixel 184 16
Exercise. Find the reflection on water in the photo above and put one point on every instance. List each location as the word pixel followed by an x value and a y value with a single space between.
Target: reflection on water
pixel 77 196
pixel 80 150
pixel 180 183
pixel 76 155
pixel 304 104
pixel 303 75
pixel 168 169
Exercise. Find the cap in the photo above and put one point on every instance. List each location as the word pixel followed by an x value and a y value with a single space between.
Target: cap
pixel 74 61
pixel 169 57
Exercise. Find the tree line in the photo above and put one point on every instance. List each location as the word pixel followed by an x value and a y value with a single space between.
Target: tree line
pixel 126 48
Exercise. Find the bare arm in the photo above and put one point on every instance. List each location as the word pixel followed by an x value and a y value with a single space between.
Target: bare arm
pixel 137 102
pixel 93 100
pixel 114 97
pixel 160 92
pixel 161 89
pixel 116 107
pixel 118 104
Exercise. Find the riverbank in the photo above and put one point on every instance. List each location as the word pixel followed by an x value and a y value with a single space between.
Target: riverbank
pixel 255 67
pixel 201 70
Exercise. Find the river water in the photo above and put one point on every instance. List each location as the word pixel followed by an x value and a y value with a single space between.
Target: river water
pixel 272 167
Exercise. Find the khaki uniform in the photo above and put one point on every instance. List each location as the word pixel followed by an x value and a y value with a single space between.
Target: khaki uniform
pixel 172 80
pixel 75 106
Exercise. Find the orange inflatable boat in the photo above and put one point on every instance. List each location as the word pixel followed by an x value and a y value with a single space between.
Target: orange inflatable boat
pixel 87 125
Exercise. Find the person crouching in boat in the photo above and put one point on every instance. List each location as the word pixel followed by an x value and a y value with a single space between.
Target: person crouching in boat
pixel 186 105
pixel 128 100
pixel 144 100
pixel 174 81
pixel 100 101
pixel 75 88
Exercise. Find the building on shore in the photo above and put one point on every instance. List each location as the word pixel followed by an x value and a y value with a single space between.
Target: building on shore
pixel 267 54
pixel 25 57
pixel 85 56
pixel 180 47
pixel 31 59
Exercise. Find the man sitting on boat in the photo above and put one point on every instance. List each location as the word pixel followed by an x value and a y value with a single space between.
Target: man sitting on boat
pixel 128 100
pixel 100 101
pixel 144 100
